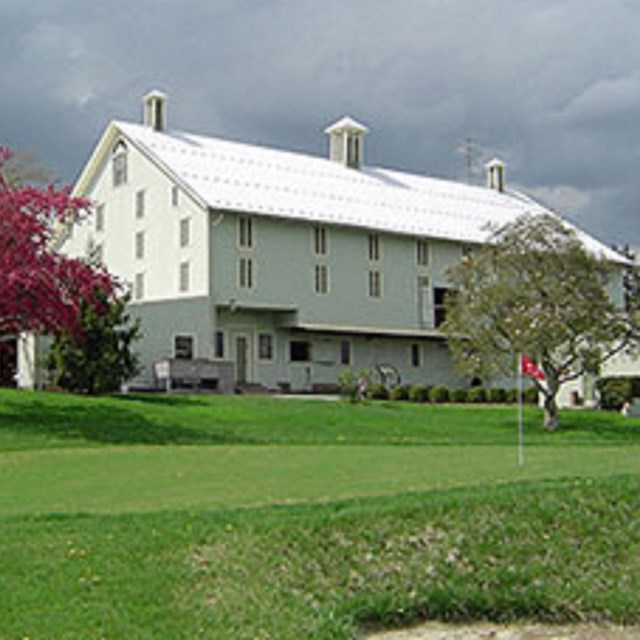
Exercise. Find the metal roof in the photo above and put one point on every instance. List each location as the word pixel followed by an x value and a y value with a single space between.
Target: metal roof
pixel 246 178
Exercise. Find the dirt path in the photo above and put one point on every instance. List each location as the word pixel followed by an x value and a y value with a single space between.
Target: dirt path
pixel 437 631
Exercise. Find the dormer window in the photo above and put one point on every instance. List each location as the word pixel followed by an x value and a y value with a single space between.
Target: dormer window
pixel 119 164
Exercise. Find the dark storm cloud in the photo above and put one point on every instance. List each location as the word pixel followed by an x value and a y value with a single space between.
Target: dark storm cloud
pixel 552 86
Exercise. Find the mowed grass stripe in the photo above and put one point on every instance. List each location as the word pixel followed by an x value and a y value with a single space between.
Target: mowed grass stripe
pixel 149 478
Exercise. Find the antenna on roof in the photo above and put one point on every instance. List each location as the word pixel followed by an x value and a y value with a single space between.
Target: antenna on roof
pixel 471 152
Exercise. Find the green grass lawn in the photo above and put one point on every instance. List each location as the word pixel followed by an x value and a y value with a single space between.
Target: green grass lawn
pixel 211 517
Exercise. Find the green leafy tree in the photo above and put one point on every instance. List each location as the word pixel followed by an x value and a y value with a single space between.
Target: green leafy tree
pixel 535 290
pixel 101 357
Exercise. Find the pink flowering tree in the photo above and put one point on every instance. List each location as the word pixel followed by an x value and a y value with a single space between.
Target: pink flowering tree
pixel 41 290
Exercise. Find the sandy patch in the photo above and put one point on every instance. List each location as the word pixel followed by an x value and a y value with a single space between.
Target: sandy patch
pixel 437 631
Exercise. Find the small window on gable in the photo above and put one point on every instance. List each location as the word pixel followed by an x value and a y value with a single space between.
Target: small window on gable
pixel 185 232
pixel 119 164
pixel 320 241
pixel 140 204
pixel 99 218
pixel 321 284
pixel 375 286
pixel 138 286
pixel 183 347
pixel 175 196
pixel 245 273
pixel 139 251
pixel 184 277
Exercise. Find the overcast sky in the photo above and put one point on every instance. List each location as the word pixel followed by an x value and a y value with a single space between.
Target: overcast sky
pixel 550 86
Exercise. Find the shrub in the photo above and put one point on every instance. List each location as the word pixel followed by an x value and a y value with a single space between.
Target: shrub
pixel 419 393
pixel 348 383
pixel 439 394
pixel 377 391
pixel 459 395
pixel 614 392
pixel 477 395
pixel 530 395
pixel 399 392
pixel 512 396
pixel 497 395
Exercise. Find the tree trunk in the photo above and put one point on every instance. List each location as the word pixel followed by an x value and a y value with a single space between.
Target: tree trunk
pixel 551 412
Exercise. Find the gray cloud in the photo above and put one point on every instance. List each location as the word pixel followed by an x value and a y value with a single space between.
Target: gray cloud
pixel 552 86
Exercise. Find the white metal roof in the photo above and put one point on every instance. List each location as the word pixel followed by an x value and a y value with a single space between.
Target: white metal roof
pixel 239 177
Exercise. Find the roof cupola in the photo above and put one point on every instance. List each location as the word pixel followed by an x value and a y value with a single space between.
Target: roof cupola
pixel 155 110
pixel 495 174
pixel 346 142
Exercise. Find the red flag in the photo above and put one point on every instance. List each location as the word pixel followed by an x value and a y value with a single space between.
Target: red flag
pixel 529 368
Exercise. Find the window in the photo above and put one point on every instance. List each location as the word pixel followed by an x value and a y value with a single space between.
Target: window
pixel 375 290
pixel 300 351
pixel 422 253
pixel 140 204
pixel 218 348
pixel 184 276
pixel 185 232
pixel 345 352
pixel 96 254
pixel 139 244
pixel 321 279
pixel 320 241
pixel 119 164
pixel 175 196
pixel 183 347
pixel 138 286
pixel 415 355
pixel 265 346
pixel 439 309
pixel 99 218
pixel 245 273
pixel 374 247
pixel 245 232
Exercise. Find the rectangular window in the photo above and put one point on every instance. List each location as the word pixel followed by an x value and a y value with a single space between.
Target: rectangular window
pixel 245 232
pixel 140 204
pixel 320 241
pixel 345 352
pixel 218 348
pixel 96 254
pixel 374 247
pixel 139 244
pixel 138 286
pixel 183 347
pixel 100 217
pixel 422 253
pixel 415 355
pixel 375 289
pixel 245 273
pixel 175 196
pixel 439 309
pixel 265 346
pixel 184 276
pixel 300 351
pixel 119 165
pixel 321 279
pixel 185 232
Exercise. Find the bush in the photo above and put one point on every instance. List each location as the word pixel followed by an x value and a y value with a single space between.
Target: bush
pixel 477 395
pixel 497 395
pixel 439 395
pixel 419 393
pixel 512 396
pixel 459 395
pixel 348 385
pixel 530 395
pixel 399 392
pixel 614 392
pixel 377 391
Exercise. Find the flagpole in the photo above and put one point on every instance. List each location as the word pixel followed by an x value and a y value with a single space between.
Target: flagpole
pixel 520 430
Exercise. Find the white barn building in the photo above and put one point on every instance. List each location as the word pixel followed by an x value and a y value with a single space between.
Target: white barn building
pixel 252 266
